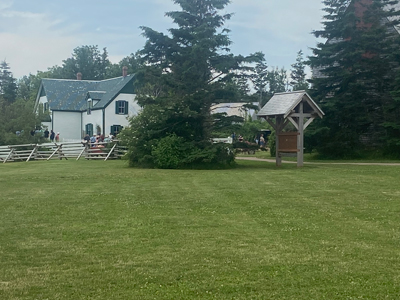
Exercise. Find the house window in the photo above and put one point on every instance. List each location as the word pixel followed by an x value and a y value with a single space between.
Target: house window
pixel 46 106
pixel 89 129
pixel 115 129
pixel 121 107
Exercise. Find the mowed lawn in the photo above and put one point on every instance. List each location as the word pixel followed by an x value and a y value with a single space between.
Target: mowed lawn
pixel 100 230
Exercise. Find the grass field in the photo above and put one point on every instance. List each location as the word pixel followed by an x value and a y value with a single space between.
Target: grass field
pixel 99 230
pixel 314 157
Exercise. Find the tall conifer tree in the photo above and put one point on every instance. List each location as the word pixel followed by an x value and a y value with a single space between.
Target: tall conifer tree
pixel 8 86
pixel 298 73
pixel 188 68
pixel 355 69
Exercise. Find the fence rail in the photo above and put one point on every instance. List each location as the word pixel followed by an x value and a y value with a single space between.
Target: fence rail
pixel 76 150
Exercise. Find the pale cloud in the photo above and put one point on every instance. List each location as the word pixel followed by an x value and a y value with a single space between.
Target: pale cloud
pixel 4 4
pixel 279 28
pixel 28 54
pixel 32 43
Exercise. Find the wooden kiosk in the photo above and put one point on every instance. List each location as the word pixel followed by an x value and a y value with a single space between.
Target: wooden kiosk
pixel 297 108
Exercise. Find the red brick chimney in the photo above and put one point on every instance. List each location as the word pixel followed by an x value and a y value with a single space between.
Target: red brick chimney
pixel 124 71
pixel 79 76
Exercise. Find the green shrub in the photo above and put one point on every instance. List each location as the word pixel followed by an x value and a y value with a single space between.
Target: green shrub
pixel 272 144
pixel 169 153
pixel 151 146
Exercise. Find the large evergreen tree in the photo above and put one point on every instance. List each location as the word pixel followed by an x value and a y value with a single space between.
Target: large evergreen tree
pixel 189 69
pixel 392 119
pixel 353 73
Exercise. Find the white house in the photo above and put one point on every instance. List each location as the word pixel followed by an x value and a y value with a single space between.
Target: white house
pixel 80 107
pixel 236 109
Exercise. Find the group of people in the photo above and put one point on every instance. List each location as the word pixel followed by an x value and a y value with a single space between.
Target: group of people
pixel 48 135
pixel 259 140
pixel 51 135
pixel 96 140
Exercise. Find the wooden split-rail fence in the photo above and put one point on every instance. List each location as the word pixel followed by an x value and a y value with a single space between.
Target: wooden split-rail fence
pixel 75 150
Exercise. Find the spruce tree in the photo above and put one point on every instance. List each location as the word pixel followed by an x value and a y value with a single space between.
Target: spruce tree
pixel 298 73
pixel 186 72
pixel 8 86
pixel 277 81
pixel 353 72
pixel 259 79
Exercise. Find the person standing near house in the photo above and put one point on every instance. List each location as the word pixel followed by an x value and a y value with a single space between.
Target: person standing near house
pixel 46 134
pixel 86 138
pixel 93 140
pixel 52 135
pixel 58 137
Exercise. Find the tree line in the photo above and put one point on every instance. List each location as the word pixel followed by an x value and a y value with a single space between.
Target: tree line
pixel 255 83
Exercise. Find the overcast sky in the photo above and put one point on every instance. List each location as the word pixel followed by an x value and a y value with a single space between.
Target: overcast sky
pixel 38 34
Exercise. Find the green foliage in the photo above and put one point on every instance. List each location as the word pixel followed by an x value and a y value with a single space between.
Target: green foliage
pixel 183 75
pixel 277 81
pixel 357 66
pixel 225 125
pixel 132 62
pixel 16 109
pixel 259 79
pixel 313 136
pixel 92 63
pixel 272 143
pixel 267 82
pixel 8 86
pixel 298 74
pixel 170 152
pixel 148 146
pixel 87 60
pixel 18 116
pixel 28 86
pixel 392 123
pixel 251 129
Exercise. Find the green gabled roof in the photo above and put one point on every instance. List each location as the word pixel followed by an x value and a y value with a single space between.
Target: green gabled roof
pixel 71 95
pixel 95 95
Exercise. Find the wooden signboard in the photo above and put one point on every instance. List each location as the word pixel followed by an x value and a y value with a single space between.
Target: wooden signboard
pixel 288 142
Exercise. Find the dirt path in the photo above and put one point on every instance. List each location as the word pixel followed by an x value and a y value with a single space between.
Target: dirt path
pixel 319 163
